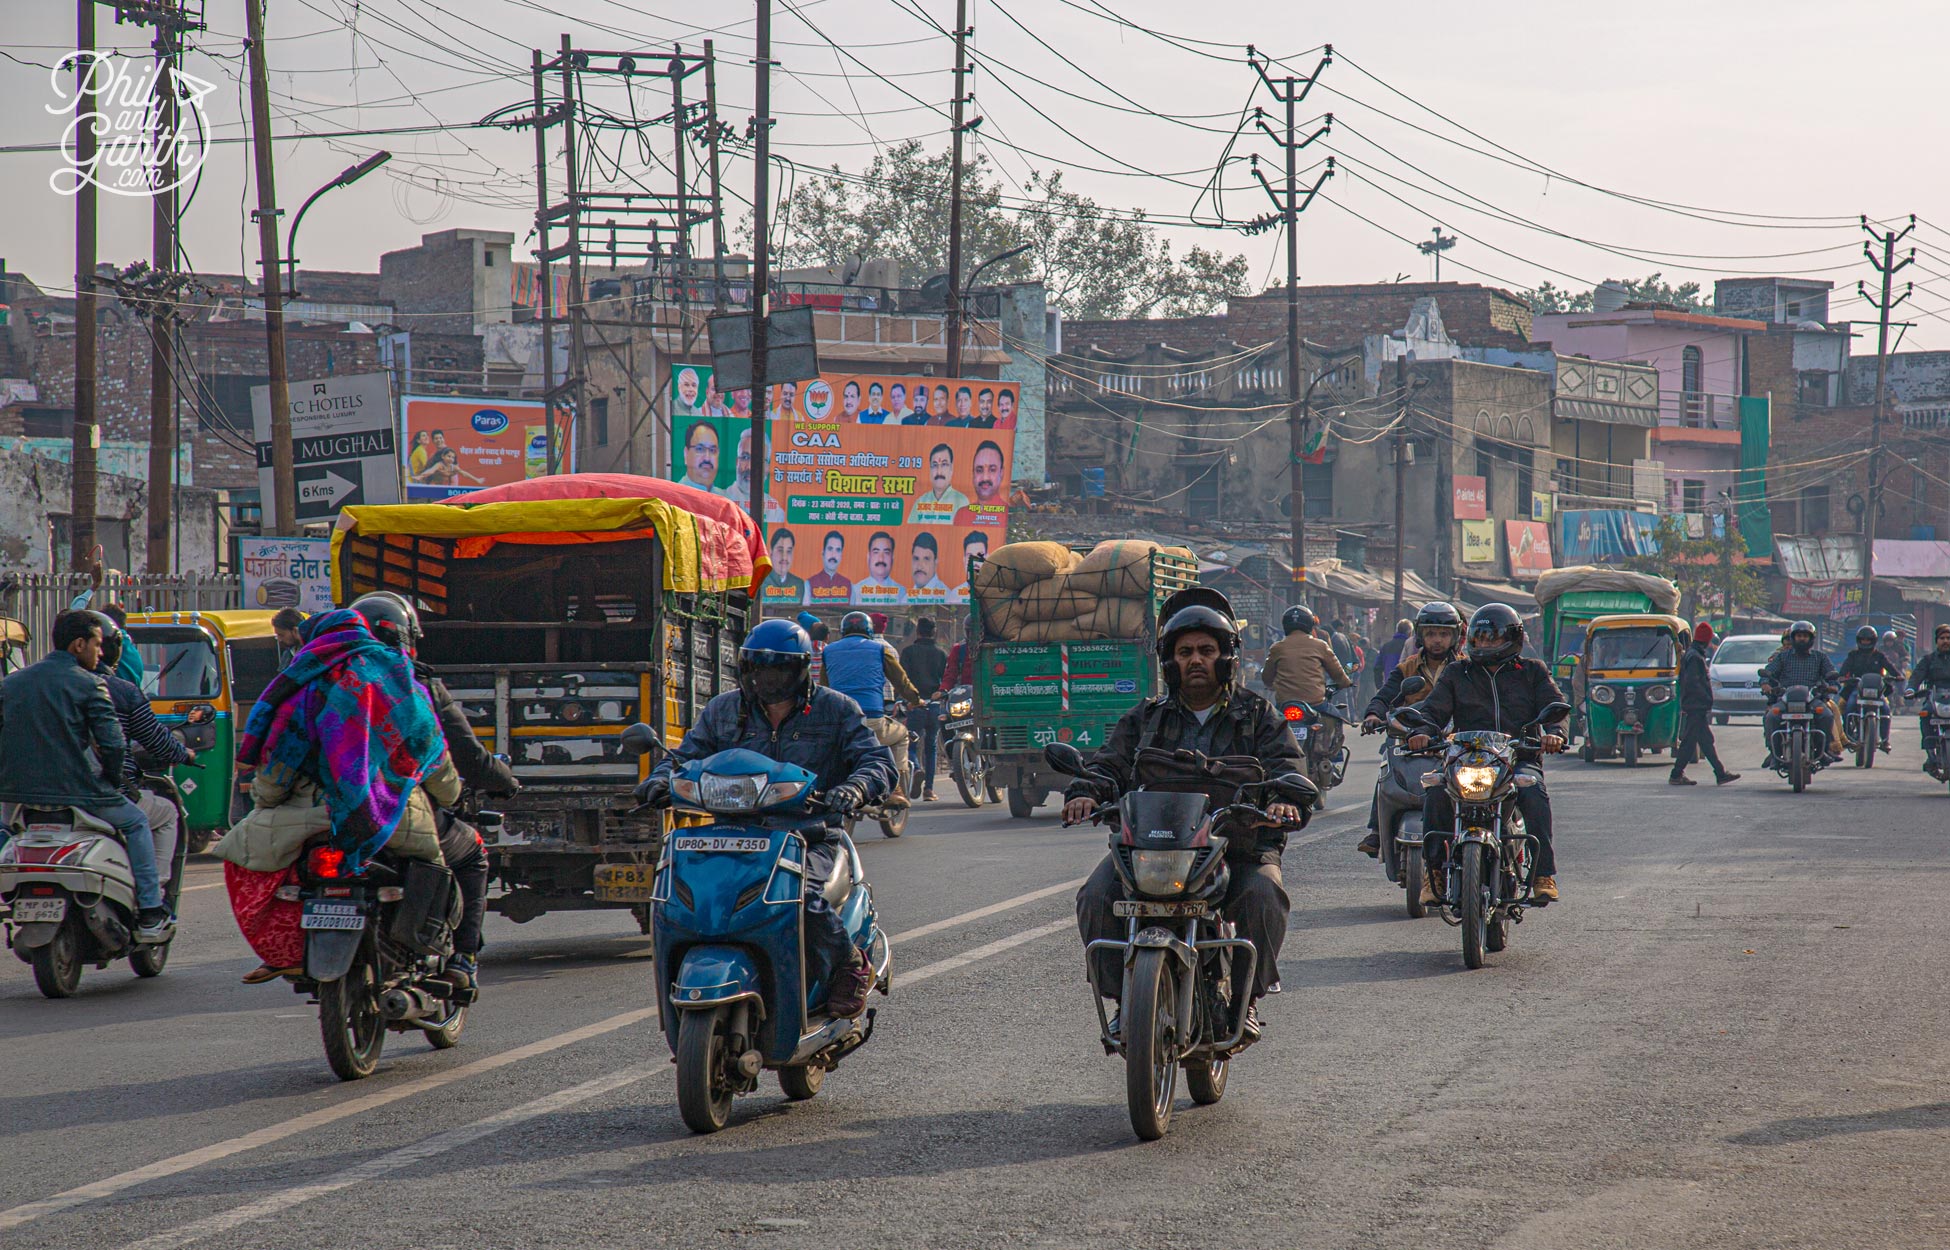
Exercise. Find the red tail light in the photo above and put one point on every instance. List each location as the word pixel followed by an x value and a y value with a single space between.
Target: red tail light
pixel 327 861
pixel 1295 712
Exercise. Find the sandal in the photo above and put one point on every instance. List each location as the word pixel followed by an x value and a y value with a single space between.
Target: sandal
pixel 265 972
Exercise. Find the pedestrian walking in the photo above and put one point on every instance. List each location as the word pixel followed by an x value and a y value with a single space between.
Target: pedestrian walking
pixel 1696 712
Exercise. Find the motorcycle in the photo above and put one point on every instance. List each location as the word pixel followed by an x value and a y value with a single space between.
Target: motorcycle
pixel 1180 1005
pixel 1398 808
pixel 1319 729
pixel 734 995
pixel 965 762
pixel 1490 858
pixel 1799 749
pixel 65 876
pixel 1868 720
pixel 1933 717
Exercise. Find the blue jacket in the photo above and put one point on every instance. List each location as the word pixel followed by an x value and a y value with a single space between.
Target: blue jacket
pixel 827 737
pixel 856 666
pixel 60 742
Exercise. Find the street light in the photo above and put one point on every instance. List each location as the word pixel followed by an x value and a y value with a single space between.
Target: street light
pixel 958 302
pixel 996 259
pixel 345 179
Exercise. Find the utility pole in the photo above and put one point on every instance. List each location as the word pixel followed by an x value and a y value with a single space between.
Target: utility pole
pixel 576 385
pixel 1401 470
pixel 761 262
pixel 1289 204
pixel 267 245
pixel 1436 247
pixel 1888 266
pixel 87 432
pixel 717 192
pixel 544 282
pixel 954 192
pixel 162 228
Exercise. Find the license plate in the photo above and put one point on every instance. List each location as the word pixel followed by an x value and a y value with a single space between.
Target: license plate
pixel 695 842
pixel 322 915
pixel 49 829
pixel 624 883
pixel 1300 733
pixel 40 910
pixel 1134 907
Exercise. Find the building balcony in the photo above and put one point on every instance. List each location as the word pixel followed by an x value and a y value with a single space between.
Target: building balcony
pixel 1699 410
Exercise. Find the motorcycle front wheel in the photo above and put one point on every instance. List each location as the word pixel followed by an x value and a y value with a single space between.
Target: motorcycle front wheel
pixel 1474 906
pixel 1150 1028
pixel 894 823
pixel 970 779
pixel 350 1022
pixel 1798 763
pixel 148 961
pixel 703 1085
pixel 57 966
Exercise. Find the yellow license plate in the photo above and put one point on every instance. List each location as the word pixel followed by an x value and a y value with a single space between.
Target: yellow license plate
pixel 624 883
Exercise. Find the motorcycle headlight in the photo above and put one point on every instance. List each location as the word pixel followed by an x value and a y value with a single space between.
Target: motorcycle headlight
pixel 961 708
pixel 1658 694
pixel 1161 873
pixel 731 793
pixel 1475 783
pixel 684 790
pixel 1603 694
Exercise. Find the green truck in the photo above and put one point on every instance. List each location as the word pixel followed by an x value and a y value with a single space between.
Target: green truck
pixel 1569 599
pixel 1030 694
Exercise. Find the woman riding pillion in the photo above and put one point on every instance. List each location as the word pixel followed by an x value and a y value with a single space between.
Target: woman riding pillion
pixel 778 712
pixel 1436 627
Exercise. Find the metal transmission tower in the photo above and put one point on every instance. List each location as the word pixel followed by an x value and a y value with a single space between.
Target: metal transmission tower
pixel 610 225
pixel 1888 266
pixel 1289 202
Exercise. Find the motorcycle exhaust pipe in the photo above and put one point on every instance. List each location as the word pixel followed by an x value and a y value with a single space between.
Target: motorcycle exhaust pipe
pixel 406 1003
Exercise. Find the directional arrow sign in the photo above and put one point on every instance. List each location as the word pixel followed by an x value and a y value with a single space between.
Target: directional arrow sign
pixel 325 488
pixel 343 444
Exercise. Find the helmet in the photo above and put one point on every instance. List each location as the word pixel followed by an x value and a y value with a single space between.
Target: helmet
pixel 112 639
pixel 1298 619
pixel 856 625
pixel 1438 613
pixel 1865 637
pixel 1796 630
pixel 391 619
pixel 1889 638
pixel 1495 633
pixel 1201 619
pixel 775 663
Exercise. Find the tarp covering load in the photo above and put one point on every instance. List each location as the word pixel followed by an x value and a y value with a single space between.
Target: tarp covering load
pixel 1584 578
pixel 708 544
pixel 1045 592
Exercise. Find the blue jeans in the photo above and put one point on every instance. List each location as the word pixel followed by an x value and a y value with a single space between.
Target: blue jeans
pixel 924 744
pixel 134 828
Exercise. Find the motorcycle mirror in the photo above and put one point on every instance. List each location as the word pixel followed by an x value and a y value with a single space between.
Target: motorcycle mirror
pixel 1294 788
pixel 1414 685
pixel 489 822
pixel 1552 713
pixel 640 739
pixel 1065 759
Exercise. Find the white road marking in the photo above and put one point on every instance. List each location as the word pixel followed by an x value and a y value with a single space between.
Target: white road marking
pixel 996 947
pixel 981 912
pixel 210 886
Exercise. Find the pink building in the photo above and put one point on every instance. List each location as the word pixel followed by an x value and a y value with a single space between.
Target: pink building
pixel 1702 367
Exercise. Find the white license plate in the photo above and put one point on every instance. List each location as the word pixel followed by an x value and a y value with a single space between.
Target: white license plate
pixel 695 843
pixel 39 910
pixel 50 829
pixel 1134 907
pixel 333 916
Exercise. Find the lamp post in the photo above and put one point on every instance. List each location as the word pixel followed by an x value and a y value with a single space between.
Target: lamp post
pixel 960 299
pixel 345 179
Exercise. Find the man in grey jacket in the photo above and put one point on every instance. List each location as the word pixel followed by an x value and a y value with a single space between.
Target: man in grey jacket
pixel 62 746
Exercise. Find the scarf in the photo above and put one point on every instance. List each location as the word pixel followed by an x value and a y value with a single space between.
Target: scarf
pixel 346 713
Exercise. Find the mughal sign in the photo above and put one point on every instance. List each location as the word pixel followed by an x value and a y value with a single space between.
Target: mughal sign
pixel 344 449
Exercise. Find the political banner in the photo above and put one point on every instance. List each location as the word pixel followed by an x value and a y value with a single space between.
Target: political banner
pixel 1479 542
pixel 286 573
pixel 454 446
pixel 1529 544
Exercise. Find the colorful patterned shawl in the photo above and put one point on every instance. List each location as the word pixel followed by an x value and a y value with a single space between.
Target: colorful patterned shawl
pixel 347 713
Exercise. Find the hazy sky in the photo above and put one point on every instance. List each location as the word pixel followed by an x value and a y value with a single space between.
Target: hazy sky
pixel 1774 123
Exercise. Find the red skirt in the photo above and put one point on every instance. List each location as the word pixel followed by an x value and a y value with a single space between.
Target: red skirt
pixel 269 924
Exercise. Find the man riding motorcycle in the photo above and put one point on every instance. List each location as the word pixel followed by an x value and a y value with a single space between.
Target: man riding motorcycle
pixel 1932 669
pixel 396 623
pixel 778 712
pixel 141 728
pixel 1301 668
pixel 1865 659
pixel 1494 687
pixel 1800 663
pixel 1436 627
pixel 1203 709
pixel 861 666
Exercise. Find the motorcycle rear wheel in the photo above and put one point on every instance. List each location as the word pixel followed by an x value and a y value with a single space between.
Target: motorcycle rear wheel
pixel 148 961
pixel 57 966
pixel 966 765
pixel 1205 1080
pixel 703 1087
pixel 1412 871
pixel 446 1035
pixel 1150 1031
pixel 802 1082
pixel 1474 906
pixel 1023 803
pixel 894 823
pixel 350 1022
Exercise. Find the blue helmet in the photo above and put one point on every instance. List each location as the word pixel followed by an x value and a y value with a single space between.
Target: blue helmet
pixel 775 663
pixel 808 620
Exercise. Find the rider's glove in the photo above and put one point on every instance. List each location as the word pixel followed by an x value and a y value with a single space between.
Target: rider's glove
pixel 654 792
pixel 845 798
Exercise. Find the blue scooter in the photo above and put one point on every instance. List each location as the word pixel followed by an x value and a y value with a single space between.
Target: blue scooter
pixel 736 997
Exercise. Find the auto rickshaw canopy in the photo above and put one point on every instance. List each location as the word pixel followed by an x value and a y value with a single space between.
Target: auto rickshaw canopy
pixel 1673 625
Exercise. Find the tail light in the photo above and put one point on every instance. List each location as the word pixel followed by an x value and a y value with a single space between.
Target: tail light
pixel 1294 712
pixel 326 861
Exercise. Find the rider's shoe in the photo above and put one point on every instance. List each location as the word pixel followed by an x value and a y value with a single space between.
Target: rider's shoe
pixel 1545 889
pixel 464 967
pixel 1680 779
pixel 850 988
pixel 153 925
pixel 1428 888
pixel 1252 1030
pixel 1116 1026
pixel 1724 778
pixel 1370 846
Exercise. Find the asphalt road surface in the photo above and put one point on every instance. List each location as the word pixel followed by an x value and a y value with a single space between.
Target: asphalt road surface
pixel 1727 1034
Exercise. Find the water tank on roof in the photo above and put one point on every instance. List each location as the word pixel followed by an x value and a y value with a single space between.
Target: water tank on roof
pixel 1609 297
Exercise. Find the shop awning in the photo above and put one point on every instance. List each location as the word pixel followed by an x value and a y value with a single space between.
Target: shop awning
pixel 1479 592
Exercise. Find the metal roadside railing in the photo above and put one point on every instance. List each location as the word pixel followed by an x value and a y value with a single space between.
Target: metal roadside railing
pixel 35 599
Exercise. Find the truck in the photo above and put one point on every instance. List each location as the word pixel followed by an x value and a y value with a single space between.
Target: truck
pixel 1569 599
pixel 1030 694
pixel 556 624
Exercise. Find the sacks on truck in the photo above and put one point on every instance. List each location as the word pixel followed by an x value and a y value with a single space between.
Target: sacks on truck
pixel 1120 568
pixel 1118 618
pixel 1055 599
pixel 1013 566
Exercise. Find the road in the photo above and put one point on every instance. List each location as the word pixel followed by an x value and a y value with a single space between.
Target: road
pixel 1727 1034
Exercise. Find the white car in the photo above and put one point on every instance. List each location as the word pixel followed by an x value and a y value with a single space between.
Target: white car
pixel 1735 671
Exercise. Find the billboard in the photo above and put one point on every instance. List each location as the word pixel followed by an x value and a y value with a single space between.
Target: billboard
pixel 1479 542
pixel 859 510
pixel 1471 497
pixel 1530 548
pixel 286 573
pixel 453 446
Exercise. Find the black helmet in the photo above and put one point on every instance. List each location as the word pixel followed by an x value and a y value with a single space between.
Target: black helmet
pixel 391 619
pixel 1495 633
pixel 856 625
pixel 1794 635
pixel 1889 638
pixel 1298 618
pixel 1865 637
pixel 1201 619
pixel 775 663
pixel 1439 614
pixel 112 640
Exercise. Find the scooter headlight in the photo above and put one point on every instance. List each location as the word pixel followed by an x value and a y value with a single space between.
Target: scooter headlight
pixel 961 708
pixel 1475 783
pixel 735 793
pixel 1603 694
pixel 1160 873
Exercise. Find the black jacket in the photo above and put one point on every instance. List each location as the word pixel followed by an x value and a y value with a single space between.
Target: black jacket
pixel 1503 697
pixel 1795 668
pixel 1248 725
pixel 925 664
pixel 1933 669
pixel 1696 680
pixel 472 760
pixel 1860 663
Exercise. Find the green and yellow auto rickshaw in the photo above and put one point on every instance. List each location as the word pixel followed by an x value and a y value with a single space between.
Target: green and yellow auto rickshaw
pixel 13 645
pixel 1631 685
pixel 204 670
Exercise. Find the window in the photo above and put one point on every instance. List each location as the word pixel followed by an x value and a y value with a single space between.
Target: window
pixel 1318 481
pixel 1692 495
pixel 111 535
pixel 1814 388
pixel 487 257
pixel 1794 310
pixel 178 662
pixel 1202 489
pixel 1485 457
pixel 47 422
pixel 1814 510
pixel 1691 366
pixel 599 421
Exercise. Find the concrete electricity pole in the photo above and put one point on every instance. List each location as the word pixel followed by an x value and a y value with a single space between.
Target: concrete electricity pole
pixel 761 261
pixel 87 432
pixel 962 71
pixel 267 244
pixel 1888 266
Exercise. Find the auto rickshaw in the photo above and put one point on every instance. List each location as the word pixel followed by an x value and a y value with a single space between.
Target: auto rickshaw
pixel 216 660
pixel 1631 696
pixel 13 645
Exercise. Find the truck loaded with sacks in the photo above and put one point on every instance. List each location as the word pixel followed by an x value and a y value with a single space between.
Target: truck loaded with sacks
pixel 1065 642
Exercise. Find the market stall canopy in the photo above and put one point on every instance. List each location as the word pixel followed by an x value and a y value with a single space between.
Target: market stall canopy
pixel 1480 592
pixel 1819 559
pixel 1333 577
pixel 1580 578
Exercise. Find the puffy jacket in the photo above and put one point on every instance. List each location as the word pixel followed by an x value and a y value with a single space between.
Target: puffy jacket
pixel 1797 668
pixel 1298 669
pixel 860 668
pixel 61 744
